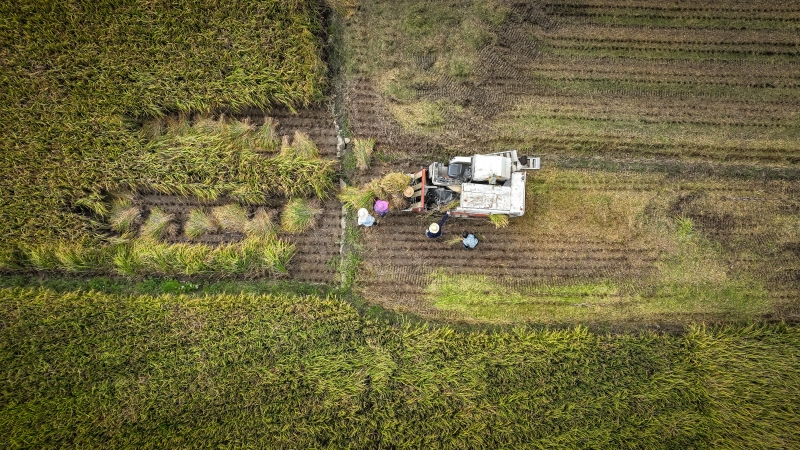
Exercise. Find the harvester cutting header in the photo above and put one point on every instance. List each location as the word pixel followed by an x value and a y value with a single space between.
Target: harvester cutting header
pixel 480 184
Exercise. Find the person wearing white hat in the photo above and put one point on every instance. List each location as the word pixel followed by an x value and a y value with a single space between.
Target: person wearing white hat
pixel 435 229
pixel 364 218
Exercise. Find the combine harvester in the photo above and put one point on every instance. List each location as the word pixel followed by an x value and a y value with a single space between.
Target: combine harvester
pixel 481 184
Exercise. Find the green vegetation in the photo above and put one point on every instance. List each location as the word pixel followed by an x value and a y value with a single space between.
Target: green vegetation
pixel 210 158
pixel 293 371
pixel 257 255
pixel 302 146
pixel 80 77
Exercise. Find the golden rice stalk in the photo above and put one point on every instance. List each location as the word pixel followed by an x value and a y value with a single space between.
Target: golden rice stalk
pixel 266 138
pixel 199 223
pixel 362 150
pixel 499 220
pixel 300 215
pixel 354 198
pixel 304 146
pixel 394 183
pixel 158 224
pixel 94 203
pixel 231 217
pixel 123 215
pixel 261 225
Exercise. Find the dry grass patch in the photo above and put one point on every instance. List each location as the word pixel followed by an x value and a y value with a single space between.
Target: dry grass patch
pixel 262 224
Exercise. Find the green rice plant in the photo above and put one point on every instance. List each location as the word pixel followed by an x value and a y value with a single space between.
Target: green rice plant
pixel 83 256
pixel 86 145
pixel 300 215
pixel 355 198
pixel 684 226
pixel 123 215
pixel 126 261
pixel 499 220
pixel 199 223
pixel 230 217
pixel 190 259
pixel 261 225
pixel 227 260
pixel 158 225
pixel 362 149
pixel 249 195
pixel 11 259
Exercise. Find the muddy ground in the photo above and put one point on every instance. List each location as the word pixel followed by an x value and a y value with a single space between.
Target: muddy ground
pixel 705 94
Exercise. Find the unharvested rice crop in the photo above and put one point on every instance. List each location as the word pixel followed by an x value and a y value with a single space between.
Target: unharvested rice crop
pixel 328 377
pixel 80 78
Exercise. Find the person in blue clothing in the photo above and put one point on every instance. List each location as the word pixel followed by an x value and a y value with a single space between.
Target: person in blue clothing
pixel 435 230
pixel 470 241
pixel 365 218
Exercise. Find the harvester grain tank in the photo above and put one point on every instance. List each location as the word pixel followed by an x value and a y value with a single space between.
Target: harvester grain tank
pixel 473 186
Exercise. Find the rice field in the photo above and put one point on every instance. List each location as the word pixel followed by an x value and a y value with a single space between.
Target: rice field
pixel 82 79
pixel 161 162
pixel 93 369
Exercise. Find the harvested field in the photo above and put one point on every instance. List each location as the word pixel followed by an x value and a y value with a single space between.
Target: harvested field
pixel 669 140
pixel 602 248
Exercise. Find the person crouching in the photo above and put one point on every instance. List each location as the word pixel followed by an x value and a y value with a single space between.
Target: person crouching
pixel 469 241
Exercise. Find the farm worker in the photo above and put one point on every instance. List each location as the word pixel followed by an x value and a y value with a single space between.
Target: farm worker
pixel 381 208
pixel 364 218
pixel 435 229
pixel 470 241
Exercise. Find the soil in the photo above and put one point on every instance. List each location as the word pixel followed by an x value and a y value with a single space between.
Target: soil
pixel 742 81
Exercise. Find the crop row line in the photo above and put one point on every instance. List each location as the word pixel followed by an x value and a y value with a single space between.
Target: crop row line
pixel 598 46
pixel 611 6
pixel 651 120
pixel 669 41
pixel 637 71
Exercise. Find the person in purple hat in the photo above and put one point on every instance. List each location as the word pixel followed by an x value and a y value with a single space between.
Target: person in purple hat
pixel 381 208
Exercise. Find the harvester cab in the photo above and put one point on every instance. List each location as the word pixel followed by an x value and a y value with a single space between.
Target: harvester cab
pixel 473 186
